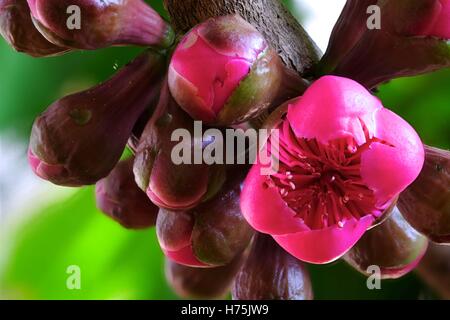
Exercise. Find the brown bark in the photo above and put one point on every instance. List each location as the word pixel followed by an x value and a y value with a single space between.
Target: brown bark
pixel 270 17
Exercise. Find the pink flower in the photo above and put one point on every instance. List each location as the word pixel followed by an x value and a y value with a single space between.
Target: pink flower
pixel 344 159
pixel 437 23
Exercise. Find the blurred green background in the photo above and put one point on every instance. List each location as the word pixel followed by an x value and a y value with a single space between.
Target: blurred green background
pixel 57 227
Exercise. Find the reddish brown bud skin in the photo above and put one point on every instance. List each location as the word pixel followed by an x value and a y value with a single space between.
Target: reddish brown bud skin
pixel 394 246
pixel 18 30
pixel 201 283
pixel 270 273
pixel 426 203
pixel 346 33
pixel 215 230
pixel 171 186
pixel 372 57
pixel 174 229
pixel 120 198
pixel 434 269
pixel 221 231
pixel 414 56
pixel 80 138
pixel 102 23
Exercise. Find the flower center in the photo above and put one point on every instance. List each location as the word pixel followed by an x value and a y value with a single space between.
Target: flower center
pixel 322 183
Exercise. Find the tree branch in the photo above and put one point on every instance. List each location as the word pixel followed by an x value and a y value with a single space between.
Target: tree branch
pixel 270 17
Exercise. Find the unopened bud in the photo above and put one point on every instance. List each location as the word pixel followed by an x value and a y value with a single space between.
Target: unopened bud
pixel 394 246
pixel 119 197
pixel 201 283
pixel 80 138
pixel 426 203
pixel 223 72
pixel 18 30
pixel 270 273
pixel 99 24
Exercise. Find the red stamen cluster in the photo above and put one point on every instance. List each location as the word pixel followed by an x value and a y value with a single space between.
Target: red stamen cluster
pixel 322 182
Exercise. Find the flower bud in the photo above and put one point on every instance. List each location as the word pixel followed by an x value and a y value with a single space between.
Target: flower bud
pixel 270 273
pixel 394 246
pixel 221 231
pixel 437 21
pixel 435 269
pixel 93 24
pixel 119 197
pixel 223 72
pixel 171 185
pixel 80 138
pixel 18 30
pixel 400 43
pixel 349 28
pixel 211 234
pixel 426 203
pixel 201 283
pixel 174 231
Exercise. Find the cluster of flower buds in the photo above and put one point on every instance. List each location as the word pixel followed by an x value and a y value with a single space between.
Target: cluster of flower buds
pixel 402 38
pixel 342 159
pixel 212 234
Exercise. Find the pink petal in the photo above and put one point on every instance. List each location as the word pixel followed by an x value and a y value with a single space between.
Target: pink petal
pixel 213 75
pixel 45 170
pixel 264 209
pixel 326 245
pixel 388 170
pixel 332 108
pixel 187 95
pixel 185 257
pixel 33 8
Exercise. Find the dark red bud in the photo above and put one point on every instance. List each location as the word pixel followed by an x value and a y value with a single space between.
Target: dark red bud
pixel 201 283
pixel 349 28
pixel 174 229
pixel 426 203
pixel 394 246
pixel 94 24
pixel 80 138
pixel 18 30
pixel 395 48
pixel 212 234
pixel 119 197
pixel 221 231
pixel 270 273
pixel 435 269
pixel 168 184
